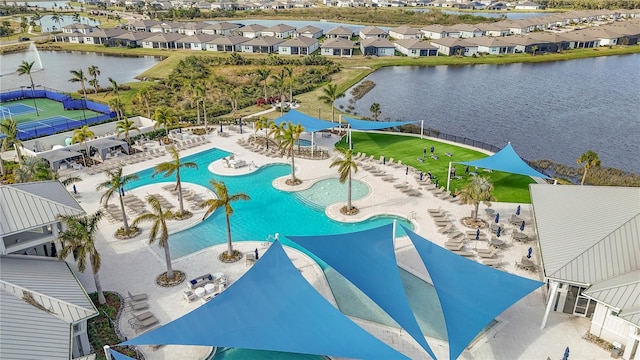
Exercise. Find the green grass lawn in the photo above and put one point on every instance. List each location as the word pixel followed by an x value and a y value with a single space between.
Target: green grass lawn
pixel 508 187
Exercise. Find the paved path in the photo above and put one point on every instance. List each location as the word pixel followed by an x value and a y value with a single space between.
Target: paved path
pixel 132 265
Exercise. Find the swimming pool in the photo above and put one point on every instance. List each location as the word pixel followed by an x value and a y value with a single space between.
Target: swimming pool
pixel 268 212
pixel 329 191
pixel 273 211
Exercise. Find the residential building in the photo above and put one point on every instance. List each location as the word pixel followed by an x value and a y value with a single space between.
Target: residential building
pixel 415 48
pixel 337 47
pixel 377 47
pixel 262 44
pixel 340 32
pixel 232 43
pixel 369 32
pixel 43 310
pixel 309 31
pixel 298 46
pixel 589 245
pixel 250 31
pixel 29 223
pixel 405 32
pixel 280 31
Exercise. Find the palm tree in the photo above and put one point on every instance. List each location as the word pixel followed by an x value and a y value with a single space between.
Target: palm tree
pixel 9 127
pixel 173 166
pixel 144 97
pixel 164 118
pixel 331 94
pixel 223 199
pixel 590 160
pixel 375 110
pixel 78 76
pixel 57 19
pixel 289 71
pixel 275 130
pixel 290 136
pixel 260 124
pixel 279 84
pixel 125 126
pixel 115 88
pixel 116 181
pixel 25 68
pixel 117 106
pixel 94 72
pixel 263 75
pixel 478 190
pixel 76 17
pixel 345 166
pixel 81 135
pixel 79 239
pixel 159 230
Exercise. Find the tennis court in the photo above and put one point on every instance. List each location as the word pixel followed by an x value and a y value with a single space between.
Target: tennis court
pixel 44 116
pixel 16 109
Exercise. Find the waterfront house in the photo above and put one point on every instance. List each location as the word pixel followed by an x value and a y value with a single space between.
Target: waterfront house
pixel 340 32
pixel 309 31
pixel 77 28
pixel 162 41
pixel 195 42
pixel 589 246
pixel 405 32
pixel 415 48
pixel 101 37
pixel 132 38
pixel 250 31
pixel 230 43
pixel 43 310
pixel 29 222
pixel 142 25
pixel 166 27
pixel 262 44
pixel 465 31
pixel 369 32
pixel 192 28
pixel 434 32
pixel 337 47
pixel 377 47
pixel 550 42
pixel 454 46
pixel 221 28
pixel 494 29
pixel 298 46
pixel 492 46
pixel 280 31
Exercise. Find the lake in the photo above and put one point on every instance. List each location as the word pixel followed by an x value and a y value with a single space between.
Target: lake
pixel 57 65
pixel 553 110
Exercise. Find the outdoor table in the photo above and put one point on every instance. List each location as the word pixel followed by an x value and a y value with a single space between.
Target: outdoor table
pixel 514 220
pixel 489 211
pixel 209 288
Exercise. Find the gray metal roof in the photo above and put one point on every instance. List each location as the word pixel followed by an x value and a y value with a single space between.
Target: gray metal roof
pixel 29 332
pixel 587 233
pixel 29 205
pixel 622 293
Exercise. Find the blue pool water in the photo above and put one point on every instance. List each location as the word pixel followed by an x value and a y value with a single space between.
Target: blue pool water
pixel 303 142
pixel 268 212
pixel 330 191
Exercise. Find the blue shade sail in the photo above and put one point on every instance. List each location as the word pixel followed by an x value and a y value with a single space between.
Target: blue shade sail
pixel 272 307
pixel 310 123
pixel 367 259
pixel 506 160
pixel 117 356
pixel 375 125
pixel 471 294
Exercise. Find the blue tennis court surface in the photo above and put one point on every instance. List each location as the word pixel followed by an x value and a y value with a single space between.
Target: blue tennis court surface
pixel 18 109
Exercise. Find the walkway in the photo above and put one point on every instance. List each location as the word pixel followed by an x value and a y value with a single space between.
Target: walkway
pixel 132 265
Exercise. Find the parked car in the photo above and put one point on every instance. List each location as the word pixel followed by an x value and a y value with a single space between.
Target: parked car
pixel 24 38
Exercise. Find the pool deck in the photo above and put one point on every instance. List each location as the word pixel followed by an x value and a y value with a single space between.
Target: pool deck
pixel 131 265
